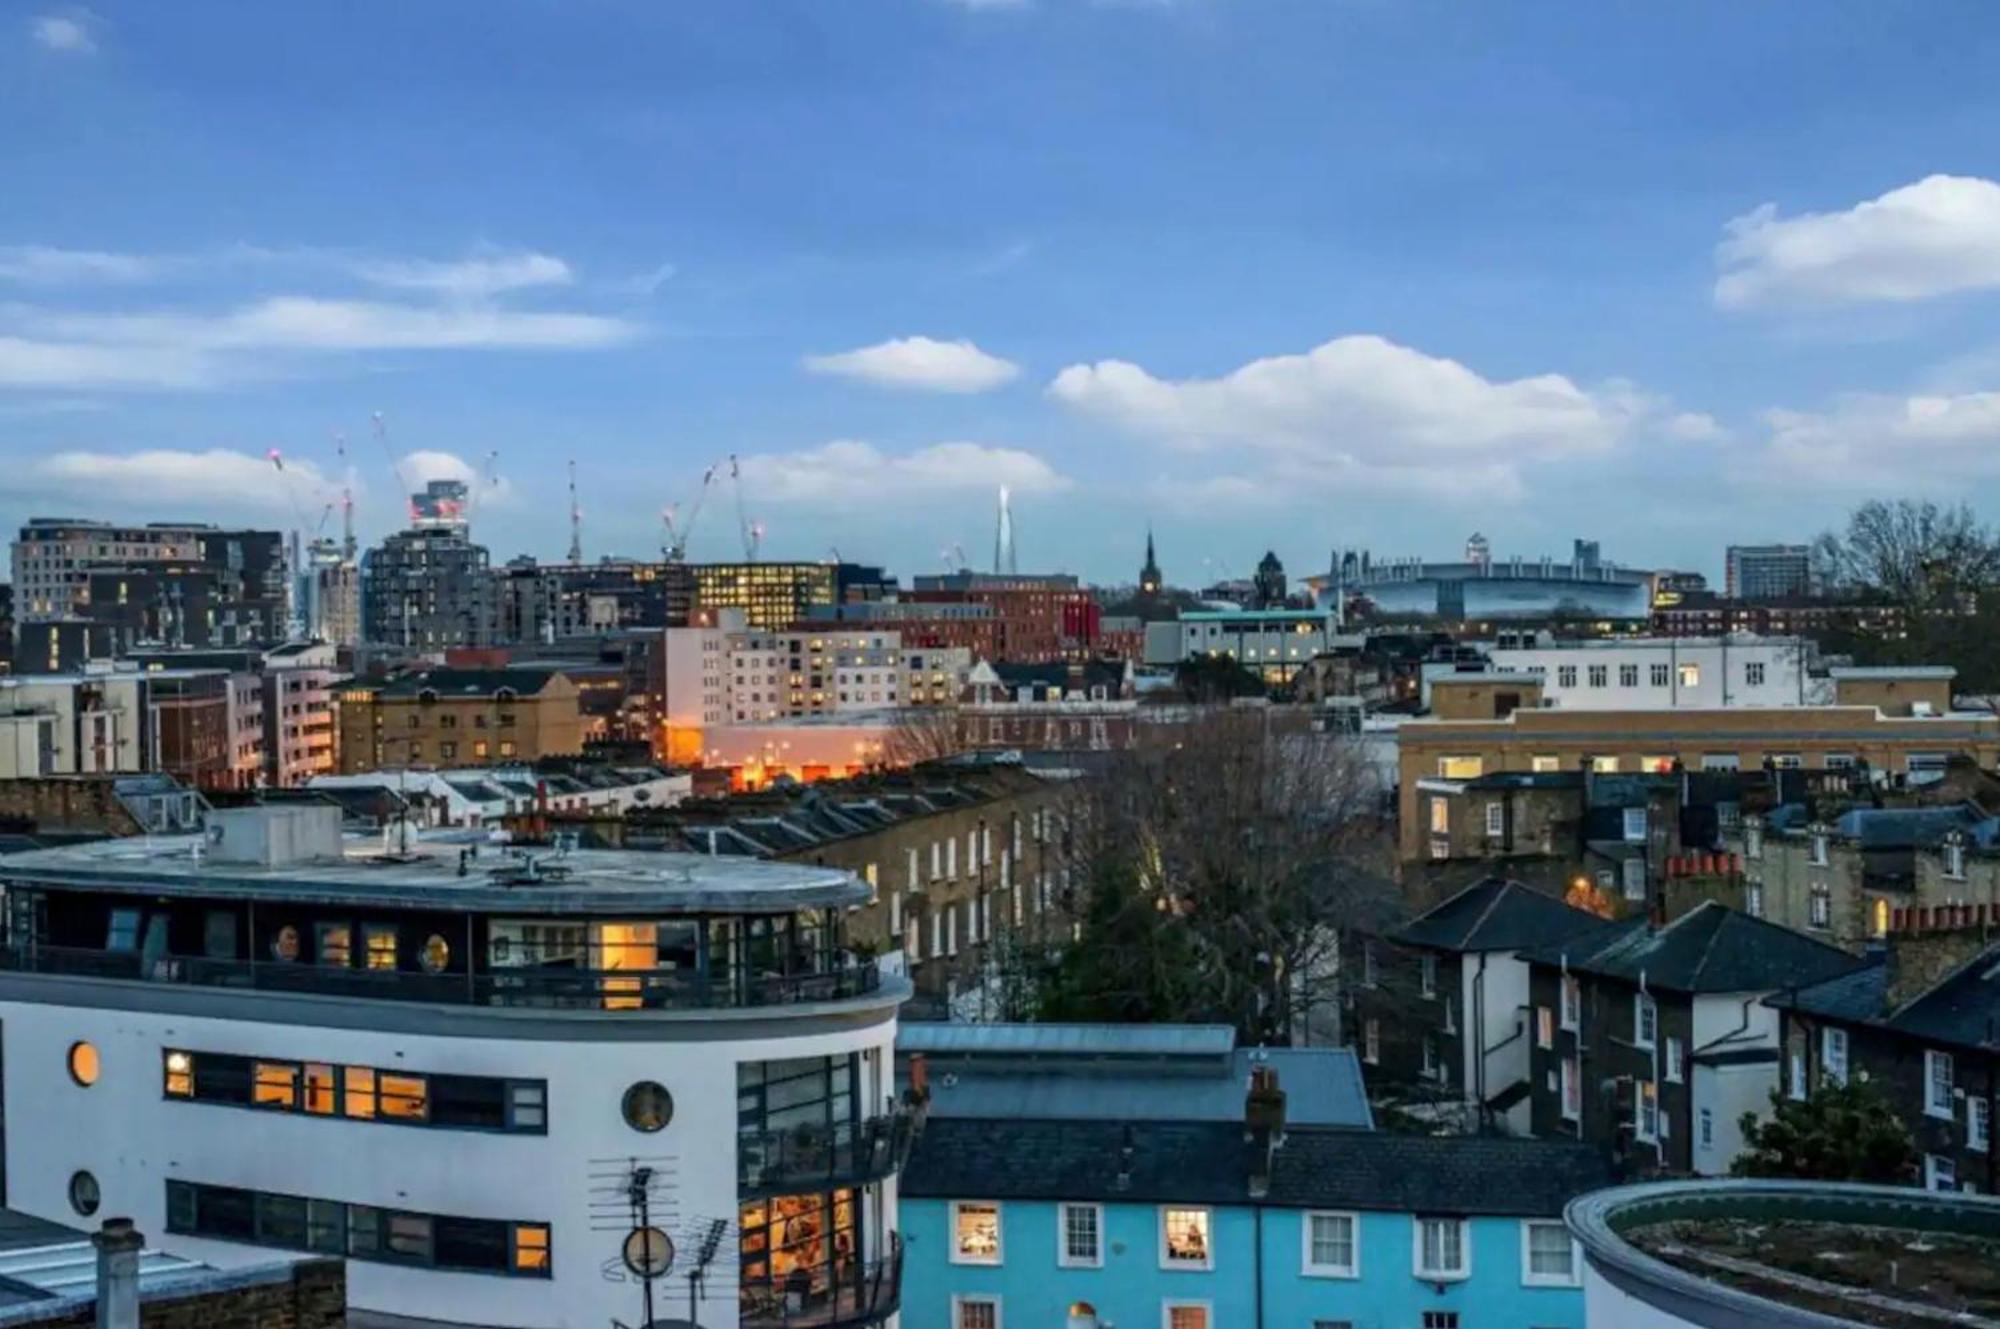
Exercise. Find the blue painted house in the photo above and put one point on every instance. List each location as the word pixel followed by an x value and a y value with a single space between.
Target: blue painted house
pixel 1089 1224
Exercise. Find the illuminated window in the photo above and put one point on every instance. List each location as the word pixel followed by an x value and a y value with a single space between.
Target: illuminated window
pixel 1604 765
pixel 360 1092
pixel 180 1075
pixel 83 1064
pixel 531 1247
pixel 1184 1239
pixel 975 1232
pixel 404 1096
pixel 1440 815
pixel 285 943
pixel 436 954
pixel 1543 765
pixel 336 944
pixel 1690 675
pixel 275 1084
pixel 1461 768
pixel 320 1089
pixel 379 945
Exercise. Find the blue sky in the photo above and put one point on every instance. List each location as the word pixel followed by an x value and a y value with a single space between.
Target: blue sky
pixel 1259 274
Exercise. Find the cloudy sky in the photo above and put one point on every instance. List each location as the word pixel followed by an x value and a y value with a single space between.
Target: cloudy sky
pixel 1352 272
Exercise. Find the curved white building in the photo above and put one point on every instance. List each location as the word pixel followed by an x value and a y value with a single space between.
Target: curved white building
pixel 474 1073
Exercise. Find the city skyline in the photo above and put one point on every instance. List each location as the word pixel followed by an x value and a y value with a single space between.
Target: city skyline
pixel 1281 276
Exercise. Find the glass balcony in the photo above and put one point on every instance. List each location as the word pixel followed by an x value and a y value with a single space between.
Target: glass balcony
pixel 822 1157
pixel 554 988
pixel 837 1296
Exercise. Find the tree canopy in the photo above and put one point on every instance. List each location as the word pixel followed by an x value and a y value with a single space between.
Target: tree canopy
pixel 1840 1132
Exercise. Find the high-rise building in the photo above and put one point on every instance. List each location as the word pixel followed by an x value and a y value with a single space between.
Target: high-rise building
pixel 172 583
pixel 53 556
pixel 1767 572
pixel 329 595
pixel 1270 582
pixel 777 595
pixel 427 588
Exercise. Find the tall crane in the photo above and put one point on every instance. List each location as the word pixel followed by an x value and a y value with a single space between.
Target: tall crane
pixel 679 528
pixel 753 531
pixel 575 521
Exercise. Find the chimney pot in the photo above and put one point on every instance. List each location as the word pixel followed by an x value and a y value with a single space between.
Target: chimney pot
pixel 118 1245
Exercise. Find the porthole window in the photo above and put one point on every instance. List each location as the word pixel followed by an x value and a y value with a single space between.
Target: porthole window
pixel 648 1106
pixel 435 955
pixel 84 1196
pixel 83 1065
pixel 285 946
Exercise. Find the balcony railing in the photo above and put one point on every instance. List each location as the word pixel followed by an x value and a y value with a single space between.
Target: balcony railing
pixel 551 988
pixel 835 1296
pixel 823 1157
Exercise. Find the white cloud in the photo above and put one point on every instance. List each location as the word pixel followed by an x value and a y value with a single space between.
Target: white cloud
pixel 850 471
pixel 644 285
pixel 478 277
pixel 160 478
pixel 44 265
pixel 1935 237
pixel 29 363
pixel 488 485
pixel 920 363
pixel 72 31
pixel 1866 443
pixel 1362 411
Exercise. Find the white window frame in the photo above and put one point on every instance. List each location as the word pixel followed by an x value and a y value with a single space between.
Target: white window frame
pixel 1172 1304
pixel 960 1300
pixel 1427 974
pixel 1935 1105
pixel 1572 1003
pixel 1646 1131
pixel 1940 1168
pixel 1066 1260
pixel 1529 1278
pixel 999 1233
pixel 1642 1005
pixel 1569 1083
pixel 1496 821
pixel 1429 1275
pixel 1632 825
pixel 1954 860
pixel 1978 1123
pixel 1308 1268
pixel 1833 1054
pixel 1167 1262
pixel 1673 1068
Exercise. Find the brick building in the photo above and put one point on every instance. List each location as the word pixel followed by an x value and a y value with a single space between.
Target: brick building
pixel 459 718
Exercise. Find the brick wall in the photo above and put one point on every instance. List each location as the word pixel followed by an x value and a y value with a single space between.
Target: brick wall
pixel 311 1294
pixel 65 804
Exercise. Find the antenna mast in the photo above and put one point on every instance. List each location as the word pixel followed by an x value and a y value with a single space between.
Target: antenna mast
pixel 575 520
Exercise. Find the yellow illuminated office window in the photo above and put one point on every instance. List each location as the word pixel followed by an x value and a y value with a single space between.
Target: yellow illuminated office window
pixel 404 1096
pixel 275 1084
pixel 531 1247
pixel 360 1092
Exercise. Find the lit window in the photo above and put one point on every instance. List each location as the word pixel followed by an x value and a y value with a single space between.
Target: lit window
pixel 360 1092
pixel 1184 1239
pixel 1187 1315
pixel 1690 675
pixel 1330 1245
pixel 531 1247
pixel 1548 1257
pixel 321 1097
pixel 1648 1125
pixel 975 1232
pixel 1461 768
pixel 1440 815
pixel 336 944
pixel 1544 764
pixel 1604 765
pixel 83 1063
pixel 1441 1249
pixel 180 1075
pixel 405 1096
pixel 275 1084
pixel 1545 1027
pixel 379 944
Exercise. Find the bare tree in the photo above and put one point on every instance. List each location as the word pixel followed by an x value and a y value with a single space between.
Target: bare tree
pixel 1916 554
pixel 1223 862
pixel 922 733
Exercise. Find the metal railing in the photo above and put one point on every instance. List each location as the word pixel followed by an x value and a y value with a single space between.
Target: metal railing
pixel 834 1296
pixel 824 1157
pixel 558 989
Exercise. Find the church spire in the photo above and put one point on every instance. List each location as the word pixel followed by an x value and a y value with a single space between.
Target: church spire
pixel 1149 575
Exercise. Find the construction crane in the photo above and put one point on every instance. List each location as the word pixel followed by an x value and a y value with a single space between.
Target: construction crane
pixel 679 528
pixel 575 521
pixel 753 531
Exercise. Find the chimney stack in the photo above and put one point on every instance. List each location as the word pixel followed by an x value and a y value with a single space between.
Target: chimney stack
pixel 1927 943
pixel 1263 1124
pixel 118 1245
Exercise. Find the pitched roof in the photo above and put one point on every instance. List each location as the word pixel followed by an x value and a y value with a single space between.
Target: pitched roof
pixel 1495 915
pixel 1210 1162
pixel 1859 996
pixel 1964 1009
pixel 1904 828
pixel 469 682
pixel 1710 949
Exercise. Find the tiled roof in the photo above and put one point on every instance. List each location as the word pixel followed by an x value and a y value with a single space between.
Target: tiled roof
pixel 1495 915
pixel 1210 1163
pixel 1904 828
pixel 1964 1009
pixel 1860 996
pixel 469 682
pixel 1711 949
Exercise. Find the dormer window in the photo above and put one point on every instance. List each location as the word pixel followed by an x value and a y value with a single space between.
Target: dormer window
pixel 505 694
pixel 427 696
pixel 1954 858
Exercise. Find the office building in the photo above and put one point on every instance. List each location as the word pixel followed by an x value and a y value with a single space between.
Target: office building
pixel 482 1078
pixel 1274 644
pixel 775 596
pixel 1767 572
pixel 52 557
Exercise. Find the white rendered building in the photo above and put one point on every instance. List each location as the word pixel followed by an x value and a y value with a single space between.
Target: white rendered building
pixel 474 1073
pixel 1668 673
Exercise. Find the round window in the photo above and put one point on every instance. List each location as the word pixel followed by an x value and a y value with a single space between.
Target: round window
pixel 84 1196
pixel 435 955
pixel 285 946
pixel 83 1066
pixel 648 1106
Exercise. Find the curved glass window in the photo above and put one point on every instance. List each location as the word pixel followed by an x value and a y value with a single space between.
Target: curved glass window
pixel 648 1106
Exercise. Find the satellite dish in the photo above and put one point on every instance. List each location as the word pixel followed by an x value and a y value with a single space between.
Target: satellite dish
pixel 648 1252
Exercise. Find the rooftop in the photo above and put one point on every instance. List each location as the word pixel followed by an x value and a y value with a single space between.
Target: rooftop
pixel 1793 1255
pixel 1496 915
pixel 431 875
pixel 1710 949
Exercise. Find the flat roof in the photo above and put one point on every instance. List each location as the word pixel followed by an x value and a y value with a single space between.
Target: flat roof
pixel 1938 672
pixel 593 881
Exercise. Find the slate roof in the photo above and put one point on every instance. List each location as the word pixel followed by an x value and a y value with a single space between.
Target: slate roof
pixel 1495 915
pixel 1904 828
pixel 469 682
pixel 1210 1163
pixel 1860 996
pixel 1710 949
pixel 1963 1010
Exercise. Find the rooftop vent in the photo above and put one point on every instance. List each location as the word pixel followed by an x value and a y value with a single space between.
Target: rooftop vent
pixel 272 835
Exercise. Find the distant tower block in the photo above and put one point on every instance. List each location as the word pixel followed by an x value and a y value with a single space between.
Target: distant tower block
pixel 1003 537
pixel 1478 551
